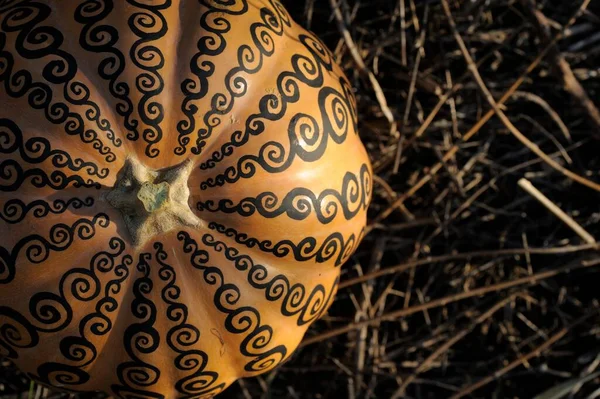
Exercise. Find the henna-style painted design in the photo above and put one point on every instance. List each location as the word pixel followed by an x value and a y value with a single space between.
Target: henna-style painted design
pixel 214 27
pixel 16 332
pixel 102 39
pixel 335 246
pixel 16 210
pixel 76 286
pixel 300 203
pixel 308 141
pixel 38 149
pixel 307 70
pixel 294 300
pixel 13 174
pixel 149 25
pixel 36 41
pixel 183 337
pixel 240 319
pixel 136 377
pixel 37 248
pixel 250 61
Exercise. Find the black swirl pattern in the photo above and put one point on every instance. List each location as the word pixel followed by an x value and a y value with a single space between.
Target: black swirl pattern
pixel 52 312
pixel 102 38
pixel 16 332
pixel 307 141
pixel 76 286
pixel 149 25
pixel 250 61
pixel 16 210
pixel 38 149
pixel 37 248
pixel 294 299
pixel 183 337
pixel 78 93
pixel 240 319
pixel 301 202
pixel 12 177
pixel 211 44
pixel 136 377
pixel 334 246
pixel 273 106
pixel 35 41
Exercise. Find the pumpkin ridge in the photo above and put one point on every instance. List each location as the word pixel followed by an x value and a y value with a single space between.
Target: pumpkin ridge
pixel 294 298
pixel 149 83
pixel 239 320
pixel 95 324
pixel 300 202
pixel 78 93
pixel 39 178
pixel 223 104
pixel 273 106
pixel 280 163
pixel 118 89
pixel 38 149
pixel 40 94
pixel 16 210
pixel 307 248
pixel 136 375
pixel 186 127
pixel 178 312
pixel 115 286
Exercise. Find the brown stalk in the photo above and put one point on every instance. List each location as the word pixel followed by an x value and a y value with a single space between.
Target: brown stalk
pixel 535 278
pixel 561 67
pixel 509 125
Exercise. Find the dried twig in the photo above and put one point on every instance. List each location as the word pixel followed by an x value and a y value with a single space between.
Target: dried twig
pixel 559 213
pixel 490 99
pixel 452 298
pixel 467 136
pixel 450 342
pixel 562 67
pixel 470 255
pixel 363 67
pixel 538 351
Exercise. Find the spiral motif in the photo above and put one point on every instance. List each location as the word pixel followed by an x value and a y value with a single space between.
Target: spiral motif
pixel 240 319
pixel 250 60
pixel 102 39
pixel 183 337
pixel 300 202
pixel 16 210
pixel 334 246
pixel 37 248
pixel 35 42
pixel 294 299
pixel 38 149
pixel 138 376
pixel 149 25
pixel 15 332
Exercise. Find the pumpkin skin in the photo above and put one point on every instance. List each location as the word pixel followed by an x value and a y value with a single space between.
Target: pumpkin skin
pixel 278 177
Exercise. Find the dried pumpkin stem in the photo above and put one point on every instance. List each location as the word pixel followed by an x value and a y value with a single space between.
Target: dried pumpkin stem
pixel 152 202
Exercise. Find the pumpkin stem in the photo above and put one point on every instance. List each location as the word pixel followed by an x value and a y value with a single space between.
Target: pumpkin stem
pixel 152 202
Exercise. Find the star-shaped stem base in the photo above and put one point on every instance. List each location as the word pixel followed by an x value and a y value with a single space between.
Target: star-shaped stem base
pixel 152 201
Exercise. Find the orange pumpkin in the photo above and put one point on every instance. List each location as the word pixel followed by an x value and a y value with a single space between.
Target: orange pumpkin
pixel 180 183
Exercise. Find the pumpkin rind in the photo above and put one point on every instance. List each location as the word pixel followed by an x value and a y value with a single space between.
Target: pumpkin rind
pixel 281 183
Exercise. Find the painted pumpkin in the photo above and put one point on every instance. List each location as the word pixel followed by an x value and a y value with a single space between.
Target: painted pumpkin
pixel 180 183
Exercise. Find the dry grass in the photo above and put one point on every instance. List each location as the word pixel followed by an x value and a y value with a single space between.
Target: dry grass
pixel 468 284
